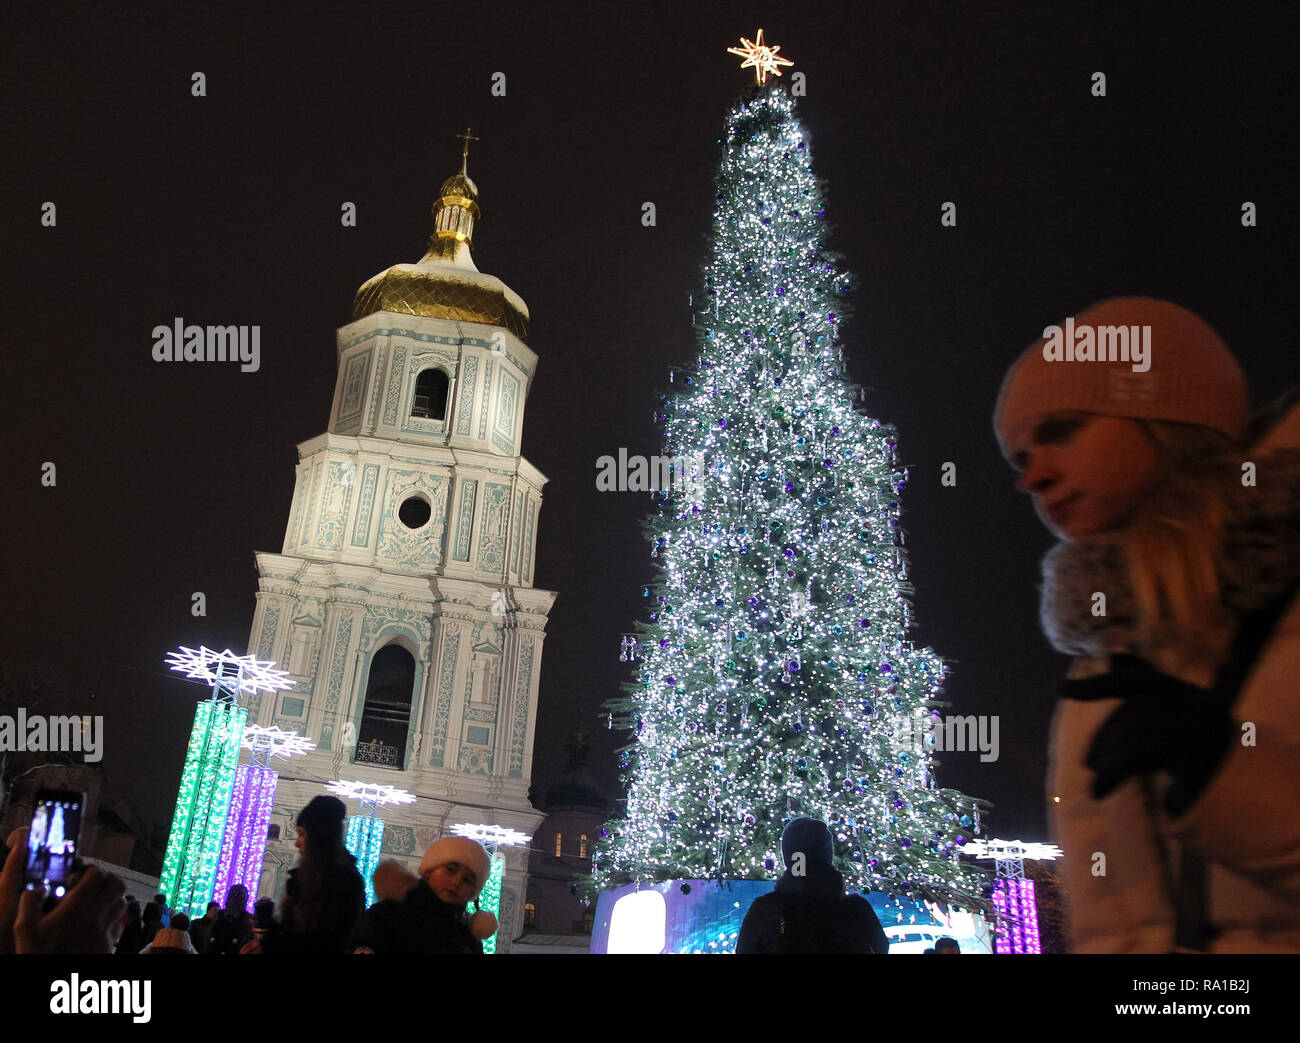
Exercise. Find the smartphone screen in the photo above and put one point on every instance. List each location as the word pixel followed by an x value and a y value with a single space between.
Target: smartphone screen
pixel 52 840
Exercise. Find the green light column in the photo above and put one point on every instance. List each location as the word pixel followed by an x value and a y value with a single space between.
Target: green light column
pixel 489 899
pixel 194 845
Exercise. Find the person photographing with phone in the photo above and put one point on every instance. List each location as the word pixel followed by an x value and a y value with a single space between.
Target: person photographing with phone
pixel 87 920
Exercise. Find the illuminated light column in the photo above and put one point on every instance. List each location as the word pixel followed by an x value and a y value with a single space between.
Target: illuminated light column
pixel 1013 898
pixel 365 835
pixel 208 777
pixel 491 837
pixel 244 846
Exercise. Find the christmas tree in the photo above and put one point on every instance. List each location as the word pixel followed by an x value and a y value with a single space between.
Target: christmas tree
pixel 774 676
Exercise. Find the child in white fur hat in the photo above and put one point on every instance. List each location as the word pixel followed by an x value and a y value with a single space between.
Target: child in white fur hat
pixel 427 915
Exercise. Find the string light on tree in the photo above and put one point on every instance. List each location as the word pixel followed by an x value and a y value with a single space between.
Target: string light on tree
pixel 194 844
pixel 627 649
pixel 774 676
pixel 491 837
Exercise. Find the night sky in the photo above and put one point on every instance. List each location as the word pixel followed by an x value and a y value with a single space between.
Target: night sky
pixel 225 210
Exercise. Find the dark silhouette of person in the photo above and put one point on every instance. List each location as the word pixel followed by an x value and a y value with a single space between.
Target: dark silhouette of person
pixel 809 912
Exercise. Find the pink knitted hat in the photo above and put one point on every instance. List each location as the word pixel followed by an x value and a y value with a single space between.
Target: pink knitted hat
pixel 1192 377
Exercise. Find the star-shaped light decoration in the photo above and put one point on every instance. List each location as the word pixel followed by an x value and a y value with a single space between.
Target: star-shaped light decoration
pixel 370 792
pixel 279 743
pixel 761 57
pixel 485 835
pixel 228 671
pixel 1001 850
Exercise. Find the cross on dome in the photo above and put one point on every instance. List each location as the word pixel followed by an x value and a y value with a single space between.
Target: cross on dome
pixel 464 156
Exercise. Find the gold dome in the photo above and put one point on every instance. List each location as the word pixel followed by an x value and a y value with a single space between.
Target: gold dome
pixel 443 291
pixel 460 185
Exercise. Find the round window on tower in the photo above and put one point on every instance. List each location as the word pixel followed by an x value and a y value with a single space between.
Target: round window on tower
pixel 414 512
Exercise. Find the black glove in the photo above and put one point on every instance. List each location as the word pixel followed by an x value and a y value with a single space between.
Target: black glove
pixel 1164 725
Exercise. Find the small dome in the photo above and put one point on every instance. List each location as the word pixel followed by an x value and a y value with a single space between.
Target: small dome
pixel 459 185
pixel 577 787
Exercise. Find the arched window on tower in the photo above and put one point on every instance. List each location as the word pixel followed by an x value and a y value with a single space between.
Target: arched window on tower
pixel 386 716
pixel 431 395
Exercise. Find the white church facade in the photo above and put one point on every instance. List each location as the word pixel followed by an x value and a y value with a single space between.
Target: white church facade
pixel 402 601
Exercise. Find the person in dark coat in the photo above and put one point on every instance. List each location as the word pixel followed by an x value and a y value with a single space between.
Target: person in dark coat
pixel 325 895
pixel 132 940
pixel 234 927
pixel 151 923
pixel 428 915
pixel 201 929
pixel 809 912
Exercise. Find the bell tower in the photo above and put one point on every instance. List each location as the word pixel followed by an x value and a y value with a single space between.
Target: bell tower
pixel 402 601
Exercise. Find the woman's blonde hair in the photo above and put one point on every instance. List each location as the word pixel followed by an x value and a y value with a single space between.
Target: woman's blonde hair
pixel 1174 545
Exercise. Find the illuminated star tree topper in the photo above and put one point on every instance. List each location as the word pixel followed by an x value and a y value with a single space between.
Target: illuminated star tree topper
pixel 758 55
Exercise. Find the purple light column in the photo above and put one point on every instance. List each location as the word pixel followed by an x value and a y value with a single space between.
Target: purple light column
pixel 1018 913
pixel 244 845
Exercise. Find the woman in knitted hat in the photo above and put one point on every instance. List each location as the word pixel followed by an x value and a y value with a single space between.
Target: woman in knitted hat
pixel 170 941
pixel 427 915
pixel 1175 754
pixel 325 895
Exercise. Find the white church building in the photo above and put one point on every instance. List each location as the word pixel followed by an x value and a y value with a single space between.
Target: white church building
pixel 402 602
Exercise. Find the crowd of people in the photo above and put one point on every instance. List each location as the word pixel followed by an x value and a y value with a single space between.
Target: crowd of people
pixel 418 914
pixel 322 912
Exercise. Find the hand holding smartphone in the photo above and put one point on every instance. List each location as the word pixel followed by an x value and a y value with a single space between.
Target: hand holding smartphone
pixel 52 840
